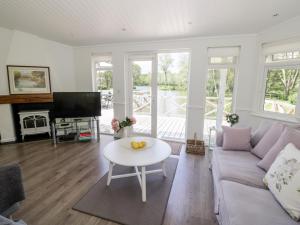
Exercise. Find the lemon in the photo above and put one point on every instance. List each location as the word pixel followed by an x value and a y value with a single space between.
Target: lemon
pixel 143 144
pixel 137 144
pixel 132 144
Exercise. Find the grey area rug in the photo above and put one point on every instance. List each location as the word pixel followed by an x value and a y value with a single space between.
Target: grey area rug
pixel 121 202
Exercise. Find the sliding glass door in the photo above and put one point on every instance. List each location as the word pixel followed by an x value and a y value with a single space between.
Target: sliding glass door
pixel 173 70
pixel 157 90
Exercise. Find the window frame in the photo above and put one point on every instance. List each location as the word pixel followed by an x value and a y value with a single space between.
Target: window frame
pixel 272 55
pixel 234 60
pixel 284 64
pixel 222 65
pixel 104 68
pixel 235 67
pixel 97 60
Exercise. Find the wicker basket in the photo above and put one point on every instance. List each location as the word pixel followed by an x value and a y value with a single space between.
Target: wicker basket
pixel 195 146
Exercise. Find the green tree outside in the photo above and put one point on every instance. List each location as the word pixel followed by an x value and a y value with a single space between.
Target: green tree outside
pixel 283 84
pixel 104 80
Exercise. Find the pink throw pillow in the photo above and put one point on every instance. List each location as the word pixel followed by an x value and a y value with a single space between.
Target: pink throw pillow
pixel 268 140
pixel 289 135
pixel 260 132
pixel 236 138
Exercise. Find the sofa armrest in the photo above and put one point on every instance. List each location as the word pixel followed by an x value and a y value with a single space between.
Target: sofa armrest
pixel 219 138
pixel 6 221
pixel 11 187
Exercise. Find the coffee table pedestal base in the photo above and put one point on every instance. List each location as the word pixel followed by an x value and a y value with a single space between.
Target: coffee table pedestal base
pixel 140 175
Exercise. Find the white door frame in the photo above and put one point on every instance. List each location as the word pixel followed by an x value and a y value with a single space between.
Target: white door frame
pixel 145 57
pixel 221 100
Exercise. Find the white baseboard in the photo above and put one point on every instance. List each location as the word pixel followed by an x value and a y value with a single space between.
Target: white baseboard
pixel 6 140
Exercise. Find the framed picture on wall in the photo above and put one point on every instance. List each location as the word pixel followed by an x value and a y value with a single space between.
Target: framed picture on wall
pixel 28 79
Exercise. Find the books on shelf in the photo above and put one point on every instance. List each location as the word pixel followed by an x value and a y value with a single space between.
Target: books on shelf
pixel 85 134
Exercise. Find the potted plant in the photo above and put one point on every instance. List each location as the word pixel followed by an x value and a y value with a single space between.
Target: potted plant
pixel 232 118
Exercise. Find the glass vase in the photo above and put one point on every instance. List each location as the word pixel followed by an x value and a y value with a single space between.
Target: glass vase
pixel 124 132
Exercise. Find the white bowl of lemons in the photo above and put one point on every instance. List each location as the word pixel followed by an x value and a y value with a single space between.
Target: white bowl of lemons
pixel 136 143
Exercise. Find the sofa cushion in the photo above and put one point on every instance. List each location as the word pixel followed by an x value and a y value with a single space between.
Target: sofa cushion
pixel 255 137
pixel 268 140
pixel 238 166
pixel 242 204
pixel 258 134
pixel 289 135
pixel 283 180
pixel 236 138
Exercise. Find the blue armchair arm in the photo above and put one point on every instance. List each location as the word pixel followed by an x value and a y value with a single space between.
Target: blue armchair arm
pixel 11 188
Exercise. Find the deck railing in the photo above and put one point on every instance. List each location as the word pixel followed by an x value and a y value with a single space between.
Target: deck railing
pixel 175 105
pixel 170 104
pixel 279 106
pixel 211 106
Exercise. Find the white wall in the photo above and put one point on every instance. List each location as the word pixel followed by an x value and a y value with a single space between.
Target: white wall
pixel 19 48
pixel 198 71
pixel 6 123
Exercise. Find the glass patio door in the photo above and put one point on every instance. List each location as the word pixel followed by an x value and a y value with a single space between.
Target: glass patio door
pixel 219 97
pixel 172 83
pixel 103 76
pixel 143 93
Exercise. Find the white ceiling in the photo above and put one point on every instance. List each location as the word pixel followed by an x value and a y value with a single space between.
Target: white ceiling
pixel 87 22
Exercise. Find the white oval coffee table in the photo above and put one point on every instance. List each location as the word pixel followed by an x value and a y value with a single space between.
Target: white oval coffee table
pixel 119 152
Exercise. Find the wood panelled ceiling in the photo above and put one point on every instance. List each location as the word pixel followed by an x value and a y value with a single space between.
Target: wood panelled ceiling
pixel 87 22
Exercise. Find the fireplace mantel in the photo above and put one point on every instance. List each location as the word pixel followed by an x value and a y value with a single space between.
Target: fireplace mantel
pixel 28 98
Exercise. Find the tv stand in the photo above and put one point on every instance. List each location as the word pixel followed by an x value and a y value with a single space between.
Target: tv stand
pixel 70 129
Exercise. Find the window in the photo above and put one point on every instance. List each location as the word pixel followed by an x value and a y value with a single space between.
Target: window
pixel 103 75
pixel 283 56
pixel 222 60
pixel 282 75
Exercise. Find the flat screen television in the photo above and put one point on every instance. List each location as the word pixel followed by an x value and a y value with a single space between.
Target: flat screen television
pixel 76 104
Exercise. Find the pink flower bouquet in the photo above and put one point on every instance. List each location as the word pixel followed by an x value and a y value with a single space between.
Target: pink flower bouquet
pixel 116 125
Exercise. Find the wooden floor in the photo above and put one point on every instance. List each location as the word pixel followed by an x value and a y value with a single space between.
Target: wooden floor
pixel 56 178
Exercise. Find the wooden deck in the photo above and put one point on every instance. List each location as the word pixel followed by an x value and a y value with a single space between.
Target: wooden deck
pixel 167 127
pixel 172 128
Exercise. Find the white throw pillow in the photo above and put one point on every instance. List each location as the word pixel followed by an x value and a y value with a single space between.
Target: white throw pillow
pixel 283 180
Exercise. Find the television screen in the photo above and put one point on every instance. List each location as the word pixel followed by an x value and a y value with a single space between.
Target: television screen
pixel 76 104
